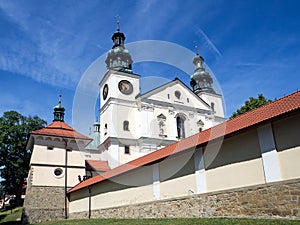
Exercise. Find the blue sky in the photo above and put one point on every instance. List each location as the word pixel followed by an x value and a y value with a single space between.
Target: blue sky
pixel 252 47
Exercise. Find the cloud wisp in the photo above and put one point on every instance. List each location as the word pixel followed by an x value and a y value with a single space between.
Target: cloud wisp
pixel 40 49
pixel 208 42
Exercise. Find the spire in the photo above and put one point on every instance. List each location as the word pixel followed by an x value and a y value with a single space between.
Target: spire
pixel 59 111
pixel 119 58
pixel 201 80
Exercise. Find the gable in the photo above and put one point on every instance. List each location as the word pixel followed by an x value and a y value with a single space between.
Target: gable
pixel 175 93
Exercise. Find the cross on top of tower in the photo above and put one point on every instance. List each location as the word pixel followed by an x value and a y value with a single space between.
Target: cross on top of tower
pixel 196 48
pixel 118 22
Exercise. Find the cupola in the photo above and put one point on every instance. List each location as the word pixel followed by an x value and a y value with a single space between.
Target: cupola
pixel 119 58
pixel 201 80
pixel 59 111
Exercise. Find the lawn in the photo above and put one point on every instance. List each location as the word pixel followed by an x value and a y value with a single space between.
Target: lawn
pixel 9 218
pixel 192 221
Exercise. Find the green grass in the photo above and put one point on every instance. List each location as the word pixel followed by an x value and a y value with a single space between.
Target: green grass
pixel 184 221
pixel 8 218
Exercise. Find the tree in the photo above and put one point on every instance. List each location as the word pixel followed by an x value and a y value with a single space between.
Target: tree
pixel 251 104
pixel 14 158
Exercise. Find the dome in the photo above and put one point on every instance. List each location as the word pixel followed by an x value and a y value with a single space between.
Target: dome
pixel 119 58
pixel 59 111
pixel 201 80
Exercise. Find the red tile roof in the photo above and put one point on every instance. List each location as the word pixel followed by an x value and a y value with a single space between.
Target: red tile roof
pixel 97 165
pixel 266 112
pixel 60 129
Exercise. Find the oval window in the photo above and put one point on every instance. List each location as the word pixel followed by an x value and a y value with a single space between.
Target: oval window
pixel 58 172
pixel 177 94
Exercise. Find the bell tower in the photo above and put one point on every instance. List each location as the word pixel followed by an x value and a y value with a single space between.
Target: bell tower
pixel 118 109
pixel 202 85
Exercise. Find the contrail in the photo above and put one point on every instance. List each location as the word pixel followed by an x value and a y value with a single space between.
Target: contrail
pixel 209 42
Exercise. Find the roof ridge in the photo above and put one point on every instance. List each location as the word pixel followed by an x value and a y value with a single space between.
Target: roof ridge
pixel 265 105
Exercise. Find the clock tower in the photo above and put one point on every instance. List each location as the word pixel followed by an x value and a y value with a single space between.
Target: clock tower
pixel 119 88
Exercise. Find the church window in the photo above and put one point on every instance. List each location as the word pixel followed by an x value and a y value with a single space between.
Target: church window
pixel 126 125
pixel 168 96
pixel 105 129
pixel 180 127
pixel 188 100
pixel 58 172
pixel 126 149
pixel 177 94
pixel 212 106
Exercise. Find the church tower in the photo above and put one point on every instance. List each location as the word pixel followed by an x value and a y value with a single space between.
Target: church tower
pixel 202 85
pixel 119 88
pixel 55 164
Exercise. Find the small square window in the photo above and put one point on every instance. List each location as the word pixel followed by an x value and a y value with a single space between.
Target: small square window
pixel 126 149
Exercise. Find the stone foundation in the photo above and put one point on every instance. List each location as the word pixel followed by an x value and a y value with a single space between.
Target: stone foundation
pixel 274 200
pixel 43 204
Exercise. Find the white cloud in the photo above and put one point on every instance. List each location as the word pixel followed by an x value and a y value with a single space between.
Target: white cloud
pixel 41 49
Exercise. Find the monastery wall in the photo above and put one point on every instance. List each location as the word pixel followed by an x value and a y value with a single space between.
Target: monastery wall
pixel 278 199
pixel 254 173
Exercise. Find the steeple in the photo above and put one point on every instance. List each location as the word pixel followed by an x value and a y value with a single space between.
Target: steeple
pixel 201 80
pixel 118 58
pixel 59 111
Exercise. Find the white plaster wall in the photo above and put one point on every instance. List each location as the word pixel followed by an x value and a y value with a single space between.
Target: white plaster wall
pixel 121 197
pixel 173 164
pixel 145 123
pixel 134 153
pixel 44 176
pixel 41 155
pixel 217 100
pixel 181 186
pixel 79 205
pixel 123 113
pixel 113 155
pixel 289 161
pixel 138 177
pixel 235 175
pixel 186 98
pixel 75 158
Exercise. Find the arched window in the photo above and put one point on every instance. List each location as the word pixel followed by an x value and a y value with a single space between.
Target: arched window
pixel 180 127
pixel 126 125
pixel 212 105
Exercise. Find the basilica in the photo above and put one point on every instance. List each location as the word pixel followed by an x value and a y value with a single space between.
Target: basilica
pixel 132 125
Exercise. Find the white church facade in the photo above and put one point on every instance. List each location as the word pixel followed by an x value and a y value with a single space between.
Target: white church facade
pixel 134 124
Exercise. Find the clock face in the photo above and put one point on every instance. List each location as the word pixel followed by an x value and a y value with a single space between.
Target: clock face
pixel 125 87
pixel 105 91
